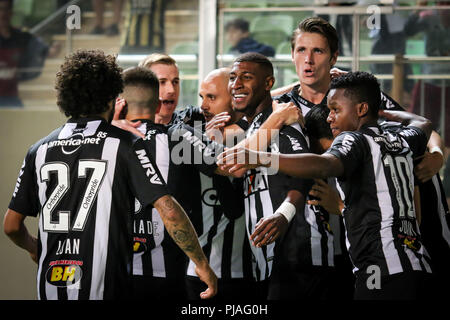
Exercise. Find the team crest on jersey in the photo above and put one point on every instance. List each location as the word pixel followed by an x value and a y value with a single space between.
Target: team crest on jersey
pixel 64 273
pixel 255 182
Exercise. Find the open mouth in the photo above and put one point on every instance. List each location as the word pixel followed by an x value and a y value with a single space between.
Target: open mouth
pixel 168 103
pixel 208 116
pixel 239 97
pixel 308 72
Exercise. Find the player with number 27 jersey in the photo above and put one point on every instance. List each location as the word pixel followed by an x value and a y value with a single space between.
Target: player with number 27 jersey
pixel 83 179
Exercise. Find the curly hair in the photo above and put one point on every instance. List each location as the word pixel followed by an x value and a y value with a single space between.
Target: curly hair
pixel 87 81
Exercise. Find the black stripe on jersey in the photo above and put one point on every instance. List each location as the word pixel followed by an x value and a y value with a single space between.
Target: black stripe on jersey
pixel 212 232
pixel 227 250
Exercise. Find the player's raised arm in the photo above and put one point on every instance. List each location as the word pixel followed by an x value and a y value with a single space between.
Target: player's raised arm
pixel 183 233
pixel 408 119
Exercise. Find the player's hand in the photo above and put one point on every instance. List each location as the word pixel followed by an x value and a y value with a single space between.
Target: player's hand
pixel 430 164
pixel 269 229
pixel 118 108
pixel 214 128
pixel 239 158
pixel 34 251
pixel 207 275
pixel 128 126
pixel 289 113
pixel 335 73
pixel 327 197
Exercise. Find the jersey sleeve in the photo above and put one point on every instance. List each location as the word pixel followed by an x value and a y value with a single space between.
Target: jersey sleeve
pixel 387 103
pixel 191 146
pixel 292 141
pixel 145 178
pixel 25 198
pixel 416 139
pixel 190 115
pixel 350 148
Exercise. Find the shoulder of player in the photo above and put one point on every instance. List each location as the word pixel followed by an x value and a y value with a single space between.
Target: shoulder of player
pixel 293 135
pixel 188 114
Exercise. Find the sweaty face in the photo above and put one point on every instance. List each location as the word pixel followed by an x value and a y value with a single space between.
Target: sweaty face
pixel 312 59
pixel 169 87
pixel 215 97
pixel 247 85
pixel 343 112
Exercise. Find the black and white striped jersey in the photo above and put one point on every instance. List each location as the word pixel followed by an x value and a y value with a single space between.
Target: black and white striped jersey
pixel 154 252
pixel 211 202
pixel 435 216
pixel 82 180
pixel 217 214
pixel 306 243
pixel 377 188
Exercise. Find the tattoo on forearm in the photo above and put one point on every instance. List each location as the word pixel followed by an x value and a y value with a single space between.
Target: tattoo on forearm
pixel 180 229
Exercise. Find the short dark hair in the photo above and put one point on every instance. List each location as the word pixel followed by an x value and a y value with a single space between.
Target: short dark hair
pixel 360 87
pixel 320 26
pixel 237 23
pixel 140 76
pixel 256 58
pixel 316 123
pixel 143 78
pixel 87 81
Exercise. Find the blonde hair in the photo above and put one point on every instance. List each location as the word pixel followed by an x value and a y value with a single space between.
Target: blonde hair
pixel 157 58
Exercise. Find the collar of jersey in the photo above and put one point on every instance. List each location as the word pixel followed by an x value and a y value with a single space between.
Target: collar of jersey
pixel 86 119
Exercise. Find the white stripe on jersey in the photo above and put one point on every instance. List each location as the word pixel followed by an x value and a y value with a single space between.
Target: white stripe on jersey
pixel 207 218
pixel 215 257
pixel 101 235
pixel 441 210
pixel 50 291
pixel 316 237
pixel 67 131
pixel 162 162
pixel 387 211
pixel 91 129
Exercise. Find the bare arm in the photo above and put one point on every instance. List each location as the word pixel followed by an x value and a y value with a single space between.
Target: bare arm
pixel 408 119
pixel 269 229
pixel 283 114
pixel 183 233
pixel 306 165
pixel 15 229
pixel 433 159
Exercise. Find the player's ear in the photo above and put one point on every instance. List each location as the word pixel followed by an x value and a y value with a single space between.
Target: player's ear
pixel 363 109
pixel 333 59
pixel 270 80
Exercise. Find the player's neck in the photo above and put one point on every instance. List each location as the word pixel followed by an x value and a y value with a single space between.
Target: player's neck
pixel 162 119
pixel 140 116
pixel 367 122
pixel 314 94
pixel 265 103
